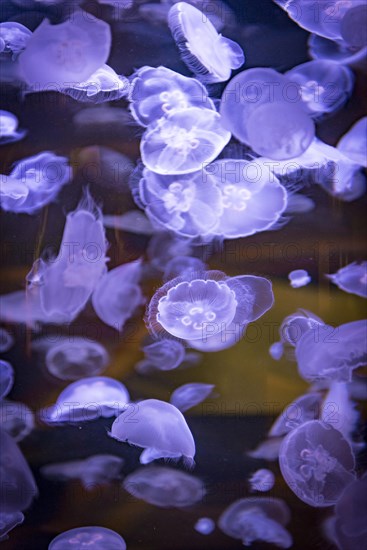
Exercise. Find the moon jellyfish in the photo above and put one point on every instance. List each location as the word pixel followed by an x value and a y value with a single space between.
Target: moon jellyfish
pixel 353 144
pixel 164 246
pixel 14 38
pixel 38 180
pixel 88 399
pixel 165 354
pixel 262 480
pixel 6 340
pixel 16 419
pixel 68 52
pixel 182 141
pixel 187 396
pixel 94 470
pixel 332 353
pixel 339 410
pixel 71 359
pixel 317 463
pixel 103 85
pixel 298 278
pixel 95 538
pixel 118 294
pixel 352 278
pixel 6 378
pixel 304 408
pixel 291 330
pixel 208 54
pixel 324 86
pixel 182 265
pixel 160 428
pixel 156 92
pixel 204 526
pixel 17 493
pixel 8 522
pixel 353 26
pixel 9 128
pixel 257 519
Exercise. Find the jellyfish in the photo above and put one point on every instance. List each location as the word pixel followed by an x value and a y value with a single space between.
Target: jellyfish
pixel 14 38
pixel 291 330
pixel 353 144
pixel 351 509
pixel 88 399
pixel 103 85
pixel 93 537
pixel 336 50
pixel 6 340
pixel 298 278
pixel 352 278
pixel 8 522
pixel 34 182
pixel 317 463
pixel 165 354
pixel 189 395
pixel 208 54
pixel 339 410
pixel 16 419
pixel 156 92
pixel 160 428
pixel 9 128
pixel 6 378
pixel 181 265
pixel 183 141
pixel 304 408
pixel 262 480
pixel 257 519
pixel 118 294
pixel 204 526
pixel 71 359
pixel 165 246
pixel 267 450
pixel 68 52
pixel 299 204
pixel 276 350
pixel 133 221
pixel 17 493
pixel 332 353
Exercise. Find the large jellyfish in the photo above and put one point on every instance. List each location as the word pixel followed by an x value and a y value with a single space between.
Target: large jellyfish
pixel 93 537
pixel 17 419
pixel 9 128
pixel 257 519
pixel 208 54
pixel 65 53
pixel 262 480
pixel 13 38
pixel 353 144
pixel 304 408
pixel 103 85
pixel 352 278
pixel 187 396
pixel 317 463
pixel 158 427
pixel 164 487
pixel 6 378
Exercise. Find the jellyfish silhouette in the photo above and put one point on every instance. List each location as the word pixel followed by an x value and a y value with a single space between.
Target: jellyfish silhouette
pixel 9 128
pixel 352 278
pixel 187 396
pixel 94 537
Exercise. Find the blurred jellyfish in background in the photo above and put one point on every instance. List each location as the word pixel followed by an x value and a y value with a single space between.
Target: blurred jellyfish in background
pixel 9 128
pixel 6 340
pixel 133 221
pixel 204 526
pixel 159 427
pixel 262 480
pixel 340 410
pixel 182 265
pixel 267 450
pixel 352 278
pixel 13 38
pixel 164 247
pixel 117 294
pixel 304 408
pixel 103 85
pixel 353 144
pixel 189 395
pixel 257 519
pixel 94 537
pixel 165 354
pixel 164 487
pixel 6 378
pixel 8 522
pixel 338 51
pixel 299 278
pixel 317 463
pixel 87 399
pixel 16 419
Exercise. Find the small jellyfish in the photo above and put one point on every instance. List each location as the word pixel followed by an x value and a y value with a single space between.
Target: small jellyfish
pixel 117 294
pixel 160 428
pixel 257 519
pixel 8 522
pixel 267 450
pixel 103 85
pixel 294 326
pixel 93 537
pixel 71 359
pixel 304 408
pixel 164 487
pixel 16 419
pixel 182 265
pixel 183 141
pixel 208 54
pixel 317 463
pixel 262 480
pixel 204 526
pixel 276 350
pixel 6 340
pixel 13 193
pixel 6 378
pixel 352 278
pixel 189 395
pixel 298 278
pixel 339 410
pixel 165 354
pixel 88 399
pixel 14 38
pixel 353 144
pixel 9 128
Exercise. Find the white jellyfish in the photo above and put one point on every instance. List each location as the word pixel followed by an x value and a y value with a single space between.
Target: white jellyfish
pixel 9 128
pixel 103 85
pixel 94 537
pixel 351 278
pixel 204 526
pixel 299 278
pixel 353 144
pixel 189 395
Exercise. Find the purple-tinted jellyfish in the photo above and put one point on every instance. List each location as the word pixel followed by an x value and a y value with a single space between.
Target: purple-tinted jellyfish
pixel 267 450
pixel 88 399
pixel 298 278
pixel 324 86
pixel 165 354
pixel 317 463
pixel 71 359
pixel 304 408
pixel 65 53
pixel 94 537
pixel 266 118
pixel 164 246
pixel 158 427
pixel 262 480
pixel 103 85
pixel 133 221
pixel 339 410
pixel 14 38
pixel 18 487
pixel 351 510
pixel 158 91
pixel 353 144
pixel 276 350
pixel 299 204
pixel 352 278
pixel 118 294
pixel 94 470
pixel 204 526
pixel 6 378
pixel 16 419
pixel 181 266
pixel 34 182
pixel 9 128
pixel 6 340
pixel 333 353
pixel 187 396
pixel 8 522
pixel 336 50
pixel 291 330
pixel 257 519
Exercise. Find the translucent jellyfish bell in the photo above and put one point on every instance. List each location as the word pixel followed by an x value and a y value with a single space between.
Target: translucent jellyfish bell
pixel 6 378
pixel 340 410
pixel 257 519
pixel 9 128
pixel 16 419
pixel 299 278
pixel 164 487
pixel 182 141
pixel 158 427
pixel 95 538
pixel 187 396
pixel 350 510
pixel 182 265
pixel 336 50
pixel 14 37
pixel 103 85
pixel 317 463
pixel 204 526
pixel 165 354
pixel 208 54
pixel 262 480
pixel 8 522
pixel 353 144
pixel 352 278
pixel 304 408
